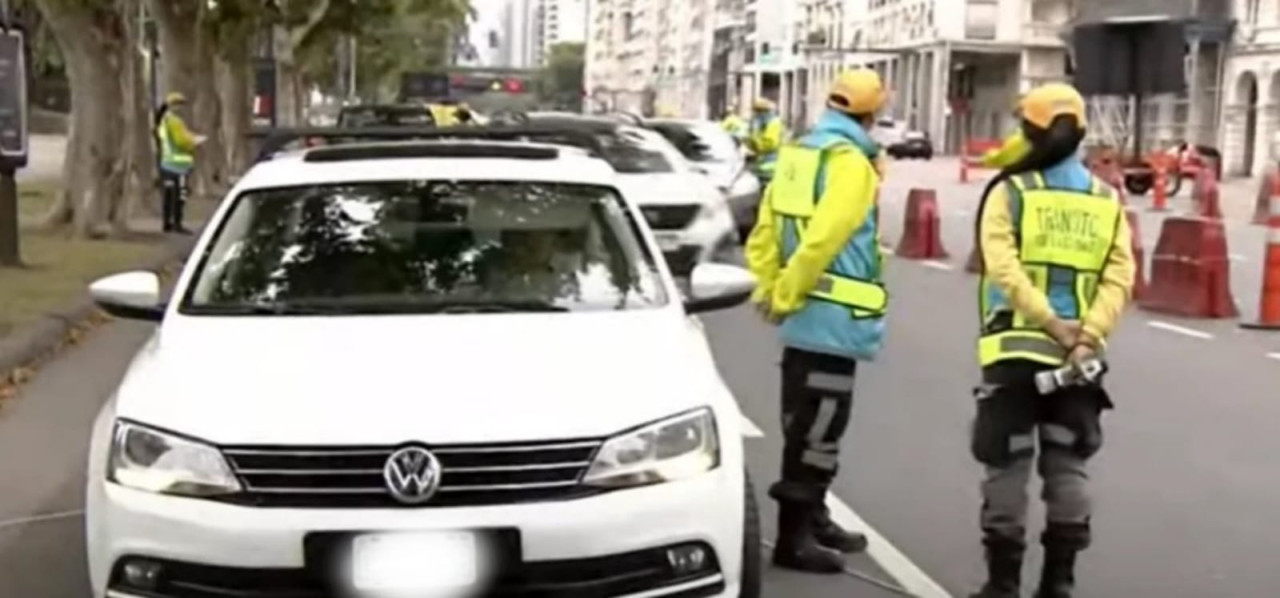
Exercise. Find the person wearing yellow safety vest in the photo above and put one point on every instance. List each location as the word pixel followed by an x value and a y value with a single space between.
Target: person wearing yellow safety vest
pixel 1057 273
pixel 177 146
pixel 733 124
pixel 815 253
pixel 764 137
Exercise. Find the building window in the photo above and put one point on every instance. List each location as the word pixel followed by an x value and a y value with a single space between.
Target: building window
pixel 1251 10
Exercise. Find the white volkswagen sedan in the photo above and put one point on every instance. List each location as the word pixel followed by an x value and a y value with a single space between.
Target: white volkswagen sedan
pixel 423 369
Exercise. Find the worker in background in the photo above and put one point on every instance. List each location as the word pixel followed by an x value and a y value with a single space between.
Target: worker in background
pixel 1057 273
pixel 177 157
pixel 764 138
pixel 815 253
pixel 733 124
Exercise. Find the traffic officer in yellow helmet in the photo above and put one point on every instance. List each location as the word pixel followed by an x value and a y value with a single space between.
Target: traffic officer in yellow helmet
pixel 1058 271
pixel 815 253
pixel 764 137
pixel 733 124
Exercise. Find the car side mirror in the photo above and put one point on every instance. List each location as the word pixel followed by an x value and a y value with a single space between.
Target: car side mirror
pixel 718 286
pixel 131 295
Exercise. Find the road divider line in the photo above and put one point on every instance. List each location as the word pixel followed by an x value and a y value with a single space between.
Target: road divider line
pixel 1236 257
pixel 1275 356
pixel 912 579
pixel 7 523
pixel 936 265
pixel 750 429
pixel 1191 332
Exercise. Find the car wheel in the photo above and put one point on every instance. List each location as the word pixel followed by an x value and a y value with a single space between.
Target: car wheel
pixel 752 559
pixel 1138 184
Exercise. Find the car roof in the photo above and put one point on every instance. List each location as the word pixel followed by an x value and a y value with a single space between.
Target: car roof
pixel 388 161
pixel 582 121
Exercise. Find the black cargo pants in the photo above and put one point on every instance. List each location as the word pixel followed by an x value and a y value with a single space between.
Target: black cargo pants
pixel 1013 421
pixel 174 195
pixel 817 401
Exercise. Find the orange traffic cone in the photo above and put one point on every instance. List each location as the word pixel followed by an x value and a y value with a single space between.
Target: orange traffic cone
pixel 1269 303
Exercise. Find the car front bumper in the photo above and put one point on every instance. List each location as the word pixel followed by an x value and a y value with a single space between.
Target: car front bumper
pixel 612 544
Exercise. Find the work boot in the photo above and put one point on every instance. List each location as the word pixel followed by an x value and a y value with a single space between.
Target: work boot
pixel 829 534
pixel 1004 569
pixel 797 547
pixel 1061 544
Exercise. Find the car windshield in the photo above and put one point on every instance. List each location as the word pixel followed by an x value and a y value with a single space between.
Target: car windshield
pixel 632 150
pixel 701 142
pixel 425 247
pixel 385 116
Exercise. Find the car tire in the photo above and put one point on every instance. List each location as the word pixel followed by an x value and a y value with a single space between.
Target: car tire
pixel 1138 184
pixel 750 581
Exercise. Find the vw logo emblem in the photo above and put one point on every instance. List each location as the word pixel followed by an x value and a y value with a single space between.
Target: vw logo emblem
pixel 412 475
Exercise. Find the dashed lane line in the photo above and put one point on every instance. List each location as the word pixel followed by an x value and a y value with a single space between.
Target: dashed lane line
pixel 18 521
pixel 936 265
pixel 914 581
pixel 1275 356
pixel 1191 332
pixel 1236 257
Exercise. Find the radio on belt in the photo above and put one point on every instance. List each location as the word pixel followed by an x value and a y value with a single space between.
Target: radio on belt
pixel 1087 372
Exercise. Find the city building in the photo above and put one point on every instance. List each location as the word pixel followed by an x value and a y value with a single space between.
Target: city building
pixel 1249 135
pixel 521 34
pixel 650 56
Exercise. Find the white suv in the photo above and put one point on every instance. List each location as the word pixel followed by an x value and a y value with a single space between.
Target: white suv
pixel 423 369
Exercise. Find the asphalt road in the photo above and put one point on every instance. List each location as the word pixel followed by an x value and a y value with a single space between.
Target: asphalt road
pixel 1187 486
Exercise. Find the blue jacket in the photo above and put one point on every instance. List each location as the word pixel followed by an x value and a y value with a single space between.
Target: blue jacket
pixel 821 326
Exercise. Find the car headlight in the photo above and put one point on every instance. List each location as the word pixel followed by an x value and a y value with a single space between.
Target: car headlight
pixel 671 449
pixel 147 459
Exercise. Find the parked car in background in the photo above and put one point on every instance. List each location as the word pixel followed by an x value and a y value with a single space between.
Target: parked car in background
pixel 386 115
pixel 715 152
pixel 913 144
pixel 888 132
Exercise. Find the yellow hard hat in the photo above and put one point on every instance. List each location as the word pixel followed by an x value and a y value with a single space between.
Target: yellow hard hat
pixel 1051 100
pixel 857 91
pixel 175 97
pixel 762 104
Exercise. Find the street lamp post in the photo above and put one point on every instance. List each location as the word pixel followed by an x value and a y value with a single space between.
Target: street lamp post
pixel 13 132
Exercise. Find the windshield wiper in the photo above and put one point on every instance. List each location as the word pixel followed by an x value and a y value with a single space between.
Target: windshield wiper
pixel 280 309
pixel 459 307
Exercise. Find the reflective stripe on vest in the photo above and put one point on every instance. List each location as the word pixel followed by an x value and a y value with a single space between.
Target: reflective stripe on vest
pixel 169 152
pixel 1064 239
pixel 793 199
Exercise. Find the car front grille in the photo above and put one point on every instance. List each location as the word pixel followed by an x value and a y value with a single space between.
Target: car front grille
pixel 675 217
pixel 645 571
pixel 352 477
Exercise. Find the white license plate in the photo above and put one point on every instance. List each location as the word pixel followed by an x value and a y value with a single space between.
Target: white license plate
pixel 668 242
pixel 414 562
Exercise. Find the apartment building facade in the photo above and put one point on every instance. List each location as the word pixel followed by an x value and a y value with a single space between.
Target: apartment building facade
pixel 650 56
pixel 1250 115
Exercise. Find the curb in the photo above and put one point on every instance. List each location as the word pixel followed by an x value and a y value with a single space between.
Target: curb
pixel 41 339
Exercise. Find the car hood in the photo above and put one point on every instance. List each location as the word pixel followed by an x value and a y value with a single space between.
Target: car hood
pixel 668 188
pixel 436 379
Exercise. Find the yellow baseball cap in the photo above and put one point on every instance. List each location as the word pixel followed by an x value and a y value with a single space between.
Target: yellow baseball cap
pixel 175 97
pixel 857 91
pixel 1042 104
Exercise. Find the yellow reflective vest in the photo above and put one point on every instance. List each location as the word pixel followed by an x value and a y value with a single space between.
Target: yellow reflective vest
pixel 1065 240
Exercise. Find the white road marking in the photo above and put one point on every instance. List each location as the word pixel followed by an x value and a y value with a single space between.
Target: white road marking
pixel 962 212
pixel 914 580
pixel 936 265
pixel 1236 257
pixel 1275 356
pixel 1192 332
pixel 40 518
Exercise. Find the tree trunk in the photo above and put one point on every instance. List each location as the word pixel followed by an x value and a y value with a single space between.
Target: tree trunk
pixel 187 53
pixel 140 173
pixel 235 91
pixel 91 40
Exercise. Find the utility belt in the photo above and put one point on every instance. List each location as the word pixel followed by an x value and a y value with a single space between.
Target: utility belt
pixel 1001 342
pixel 864 298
